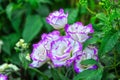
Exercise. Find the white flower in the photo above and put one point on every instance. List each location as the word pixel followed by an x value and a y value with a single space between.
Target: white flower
pixel 36 64
pixel 88 53
pixel 41 49
pixel 14 67
pixel 63 51
pixel 57 19
pixel 3 67
pixel 79 32
pixel 39 52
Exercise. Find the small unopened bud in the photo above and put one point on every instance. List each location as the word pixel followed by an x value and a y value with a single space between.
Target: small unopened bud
pixel 28 57
pixel 21 44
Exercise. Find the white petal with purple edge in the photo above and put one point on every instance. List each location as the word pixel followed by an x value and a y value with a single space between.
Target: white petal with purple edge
pixel 79 32
pixel 88 53
pixel 64 50
pixel 58 19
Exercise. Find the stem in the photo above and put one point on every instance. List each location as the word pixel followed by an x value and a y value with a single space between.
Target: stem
pixel 45 77
pixel 68 70
pixel 94 13
pixel 115 56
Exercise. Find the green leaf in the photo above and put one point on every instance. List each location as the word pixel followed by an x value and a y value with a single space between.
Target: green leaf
pixel 83 2
pixel 9 42
pixel 33 3
pixel 9 10
pixel 92 40
pixel 89 61
pixel 44 1
pixel 33 26
pixel 90 75
pixel 92 20
pixel 57 75
pixel 72 16
pixel 16 19
pixel 47 27
pixel 102 16
pixel 43 10
pixel 14 13
pixel 23 60
pixel 16 23
pixel 45 77
pixel 108 43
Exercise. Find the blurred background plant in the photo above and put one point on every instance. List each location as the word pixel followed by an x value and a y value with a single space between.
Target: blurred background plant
pixel 27 19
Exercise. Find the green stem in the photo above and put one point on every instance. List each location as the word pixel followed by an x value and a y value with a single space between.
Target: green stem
pixel 45 77
pixel 91 11
pixel 115 56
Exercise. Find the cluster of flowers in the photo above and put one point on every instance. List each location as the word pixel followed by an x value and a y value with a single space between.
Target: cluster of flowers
pixel 64 50
pixel 5 68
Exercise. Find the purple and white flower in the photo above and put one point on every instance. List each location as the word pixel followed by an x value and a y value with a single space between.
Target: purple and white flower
pixel 88 53
pixel 3 77
pixel 57 19
pixel 36 64
pixel 48 38
pixel 41 49
pixel 78 31
pixel 39 52
pixel 64 50
pixel 39 55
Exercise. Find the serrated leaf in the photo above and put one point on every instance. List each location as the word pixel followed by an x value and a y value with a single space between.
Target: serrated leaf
pixel 88 62
pixel 33 26
pixel 90 75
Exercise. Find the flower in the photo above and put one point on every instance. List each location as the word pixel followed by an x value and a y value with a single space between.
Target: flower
pixel 41 49
pixel 39 52
pixel 5 66
pixel 21 44
pixel 48 38
pixel 3 77
pixel 39 55
pixel 63 51
pixel 88 53
pixel 57 19
pixel 36 64
pixel 14 67
pixel 79 32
